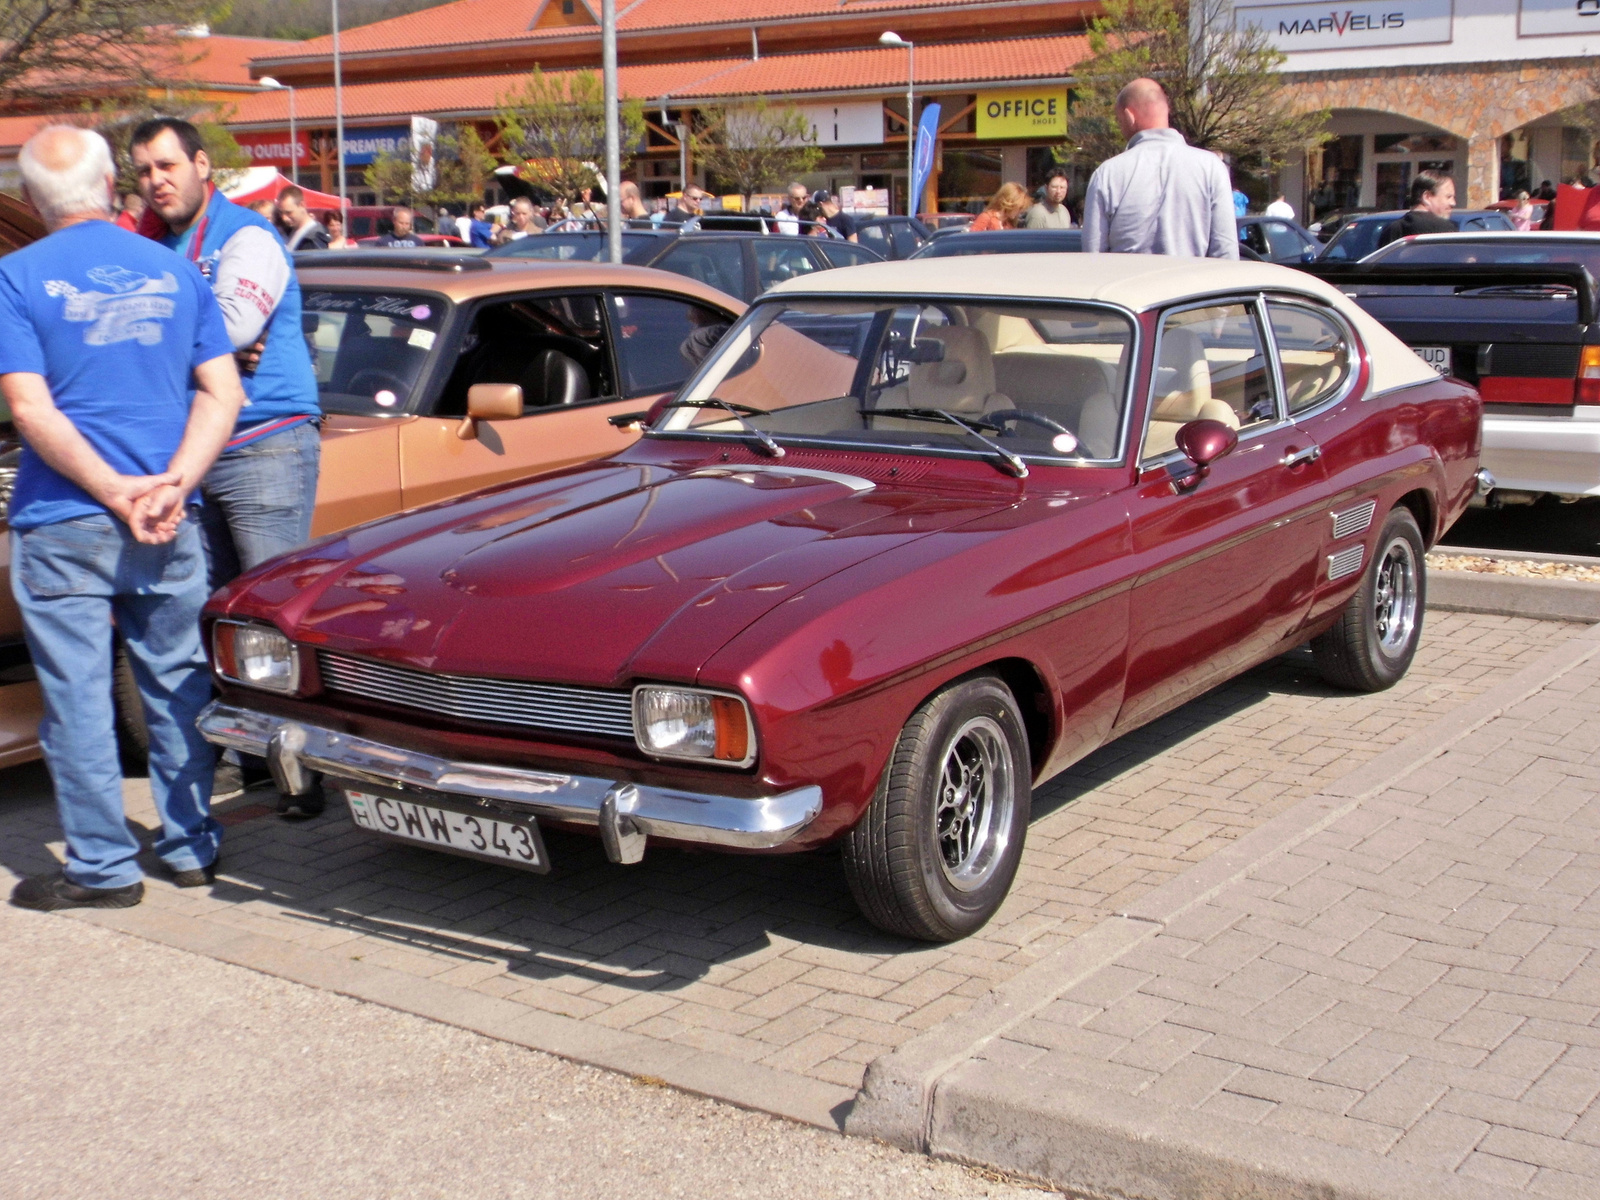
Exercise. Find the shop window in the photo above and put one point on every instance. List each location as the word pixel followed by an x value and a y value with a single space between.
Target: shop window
pixel 1413 143
pixel 969 178
pixel 1333 176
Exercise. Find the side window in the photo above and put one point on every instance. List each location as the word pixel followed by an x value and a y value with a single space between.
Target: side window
pixel 660 341
pixel 1314 352
pixel 906 240
pixel 1251 236
pixel 776 262
pixel 876 236
pixel 849 254
pixel 553 347
pixel 1285 242
pixel 1211 363
pixel 719 264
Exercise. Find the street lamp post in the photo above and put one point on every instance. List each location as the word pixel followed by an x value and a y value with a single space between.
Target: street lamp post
pixel 338 119
pixel 272 85
pixel 894 39
pixel 608 67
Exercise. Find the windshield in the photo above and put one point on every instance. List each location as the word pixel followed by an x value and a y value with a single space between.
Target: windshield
pixel 1003 243
pixel 576 247
pixel 1527 248
pixel 1042 381
pixel 368 348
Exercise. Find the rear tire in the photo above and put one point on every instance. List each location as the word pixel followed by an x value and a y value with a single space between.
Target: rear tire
pixel 934 856
pixel 1372 644
pixel 133 735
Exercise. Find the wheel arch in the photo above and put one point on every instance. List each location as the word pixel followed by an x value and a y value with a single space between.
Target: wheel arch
pixel 1421 503
pixel 1034 700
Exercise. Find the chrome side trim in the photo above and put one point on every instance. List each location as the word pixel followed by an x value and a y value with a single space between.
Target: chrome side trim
pixel 1353 520
pixel 1346 562
pixel 854 482
pixel 635 810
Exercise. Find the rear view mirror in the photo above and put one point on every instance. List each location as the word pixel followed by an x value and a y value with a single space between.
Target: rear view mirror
pixel 489 402
pixel 1202 443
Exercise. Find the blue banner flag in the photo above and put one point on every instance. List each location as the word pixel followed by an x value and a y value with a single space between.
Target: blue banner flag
pixel 922 157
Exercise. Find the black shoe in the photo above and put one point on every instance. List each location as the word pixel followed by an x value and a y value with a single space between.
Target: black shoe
pixel 195 876
pixel 47 893
pixel 300 808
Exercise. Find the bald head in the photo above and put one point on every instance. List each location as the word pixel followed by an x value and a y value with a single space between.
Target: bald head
pixel 1142 105
pixel 68 174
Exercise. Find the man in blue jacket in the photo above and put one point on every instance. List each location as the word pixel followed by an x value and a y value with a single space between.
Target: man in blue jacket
pixel 260 494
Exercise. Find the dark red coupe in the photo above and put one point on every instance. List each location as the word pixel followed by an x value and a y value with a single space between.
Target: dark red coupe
pixel 913 539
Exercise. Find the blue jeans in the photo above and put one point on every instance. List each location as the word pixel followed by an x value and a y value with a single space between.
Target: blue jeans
pixel 258 501
pixel 71 579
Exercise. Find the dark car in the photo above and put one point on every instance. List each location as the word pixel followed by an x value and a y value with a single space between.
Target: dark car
pixel 742 264
pixel 1279 240
pixel 1023 241
pixel 1515 315
pixel 893 237
pixel 1359 238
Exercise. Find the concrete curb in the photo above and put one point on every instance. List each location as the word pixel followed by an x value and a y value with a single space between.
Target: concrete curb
pixel 927 1095
pixel 1513 596
pixel 702 1072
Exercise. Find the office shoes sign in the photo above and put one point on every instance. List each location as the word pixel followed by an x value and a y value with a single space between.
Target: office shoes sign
pixel 1358 26
pixel 1542 18
pixel 1033 113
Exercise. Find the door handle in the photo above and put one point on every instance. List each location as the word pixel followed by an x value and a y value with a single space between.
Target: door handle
pixel 1298 458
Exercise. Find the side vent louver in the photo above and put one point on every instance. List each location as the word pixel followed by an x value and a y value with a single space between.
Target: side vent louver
pixel 1346 562
pixel 1353 520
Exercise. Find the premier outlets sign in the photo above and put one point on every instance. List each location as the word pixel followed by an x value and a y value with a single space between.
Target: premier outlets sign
pixel 1358 26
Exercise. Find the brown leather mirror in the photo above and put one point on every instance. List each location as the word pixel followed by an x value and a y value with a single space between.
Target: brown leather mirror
pixel 489 402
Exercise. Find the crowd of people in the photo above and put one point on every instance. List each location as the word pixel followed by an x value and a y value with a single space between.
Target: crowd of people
pixel 126 515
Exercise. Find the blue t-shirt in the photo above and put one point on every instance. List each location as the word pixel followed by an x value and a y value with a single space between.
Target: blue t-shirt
pixel 115 323
pixel 482 234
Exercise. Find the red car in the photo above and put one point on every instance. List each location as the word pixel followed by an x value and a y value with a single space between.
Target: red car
pixel 912 540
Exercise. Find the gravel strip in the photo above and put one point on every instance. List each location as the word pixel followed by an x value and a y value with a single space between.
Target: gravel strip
pixel 1487 565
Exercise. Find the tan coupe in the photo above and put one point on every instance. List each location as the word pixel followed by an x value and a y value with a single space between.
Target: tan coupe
pixel 441 374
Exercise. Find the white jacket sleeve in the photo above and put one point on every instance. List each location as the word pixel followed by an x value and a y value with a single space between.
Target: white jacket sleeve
pixel 1096 218
pixel 251 276
pixel 1224 241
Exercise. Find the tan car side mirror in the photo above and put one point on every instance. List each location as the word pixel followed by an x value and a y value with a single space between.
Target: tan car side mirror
pixel 489 402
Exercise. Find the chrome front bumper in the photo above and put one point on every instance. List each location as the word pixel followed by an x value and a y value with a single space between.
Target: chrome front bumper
pixel 626 814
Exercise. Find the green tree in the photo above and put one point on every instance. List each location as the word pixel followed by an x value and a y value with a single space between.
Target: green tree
pixel 555 127
pixel 1224 83
pixel 462 167
pixel 115 48
pixel 753 146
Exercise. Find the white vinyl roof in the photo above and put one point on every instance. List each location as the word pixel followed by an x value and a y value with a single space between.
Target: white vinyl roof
pixel 1134 281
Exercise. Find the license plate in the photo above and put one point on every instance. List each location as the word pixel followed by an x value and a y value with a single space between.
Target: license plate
pixel 1437 357
pixel 477 835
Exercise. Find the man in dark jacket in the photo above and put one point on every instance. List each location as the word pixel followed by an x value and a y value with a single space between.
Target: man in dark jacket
pixel 1433 195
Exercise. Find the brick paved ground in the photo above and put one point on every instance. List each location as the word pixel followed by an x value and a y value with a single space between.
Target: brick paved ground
pixel 766 959
pixel 1421 980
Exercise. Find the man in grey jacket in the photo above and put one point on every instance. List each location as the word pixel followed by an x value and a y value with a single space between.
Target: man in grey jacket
pixel 1160 195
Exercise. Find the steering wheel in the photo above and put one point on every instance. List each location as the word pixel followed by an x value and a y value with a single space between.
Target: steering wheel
pixel 371 381
pixel 1002 416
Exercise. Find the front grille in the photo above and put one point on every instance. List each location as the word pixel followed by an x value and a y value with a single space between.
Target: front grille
pixel 474 698
pixel 1529 361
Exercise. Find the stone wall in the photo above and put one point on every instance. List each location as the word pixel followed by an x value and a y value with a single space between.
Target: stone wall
pixel 1478 102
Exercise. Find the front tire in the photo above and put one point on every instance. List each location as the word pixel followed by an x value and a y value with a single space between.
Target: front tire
pixel 1372 644
pixel 934 856
pixel 133 735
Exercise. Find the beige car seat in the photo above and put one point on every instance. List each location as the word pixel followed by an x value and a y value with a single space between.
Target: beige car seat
pixel 962 382
pixel 1183 391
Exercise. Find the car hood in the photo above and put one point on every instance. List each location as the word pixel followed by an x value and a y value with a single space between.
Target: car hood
pixel 610 572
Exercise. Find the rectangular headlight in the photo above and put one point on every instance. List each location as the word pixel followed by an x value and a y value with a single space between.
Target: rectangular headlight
pixel 670 722
pixel 256 655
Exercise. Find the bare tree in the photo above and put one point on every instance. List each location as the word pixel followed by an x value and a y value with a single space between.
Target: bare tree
pixel 555 126
pixel 753 146
pixel 1224 83
pixel 55 49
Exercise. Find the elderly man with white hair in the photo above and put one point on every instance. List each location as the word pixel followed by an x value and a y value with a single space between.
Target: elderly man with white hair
pixel 119 373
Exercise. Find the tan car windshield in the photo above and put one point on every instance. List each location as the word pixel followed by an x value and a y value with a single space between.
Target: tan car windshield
pixel 368 348
pixel 1045 381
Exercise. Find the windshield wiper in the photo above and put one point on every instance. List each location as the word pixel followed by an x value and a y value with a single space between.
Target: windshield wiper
pixel 738 410
pixel 1010 463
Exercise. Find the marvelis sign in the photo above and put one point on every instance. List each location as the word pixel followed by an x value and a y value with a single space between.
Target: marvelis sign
pixel 1362 25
